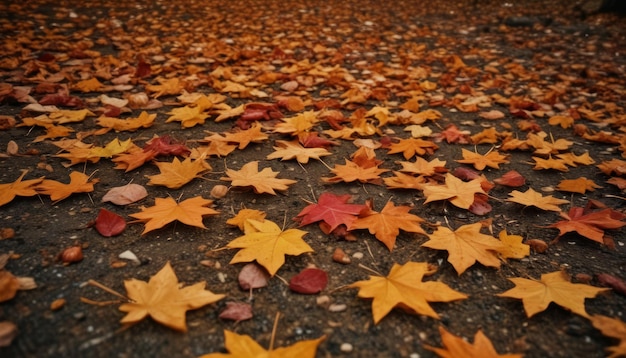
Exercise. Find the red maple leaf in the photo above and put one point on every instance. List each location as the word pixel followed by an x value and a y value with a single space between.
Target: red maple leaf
pixel 590 225
pixel 332 209
pixel 166 145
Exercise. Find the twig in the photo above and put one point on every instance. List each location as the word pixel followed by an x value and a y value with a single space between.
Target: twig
pixel 274 328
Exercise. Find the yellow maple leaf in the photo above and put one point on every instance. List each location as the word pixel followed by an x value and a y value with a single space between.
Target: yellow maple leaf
pixel 176 174
pixel 533 198
pixel 458 192
pixel 465 246
pixel 492 159
pixel 550 163
pixel 165 210
pixel 69 116
pixel 243 346
pixel 387 223
pixel 579 185
pixel 614 328
pixel 294 150
pixel 53 131
pixel 166 86
pixel 112 148
pixel 543 147
pixel 404 288
pixel 163 299
pixel 404 181
pixel 513 246
pixel 264 181
pixel 563 121
pixel 301 123
pixel 144 120
pixel 553 287
pixel 187 116
pixel 19 187
pixel 228 112
pixel 457 347
pixel 268 245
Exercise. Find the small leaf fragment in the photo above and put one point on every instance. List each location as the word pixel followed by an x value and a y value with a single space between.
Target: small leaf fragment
pixel 309 281
pixel 109 223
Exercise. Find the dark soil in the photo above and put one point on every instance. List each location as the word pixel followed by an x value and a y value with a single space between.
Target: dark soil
pixel 536 46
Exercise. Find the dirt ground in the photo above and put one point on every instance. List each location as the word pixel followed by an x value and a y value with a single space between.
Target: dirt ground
pixel 532 47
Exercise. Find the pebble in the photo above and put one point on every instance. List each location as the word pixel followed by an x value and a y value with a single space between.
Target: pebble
pixel 357 255
pixel 346 347
pixel 322 300
pixel 337 307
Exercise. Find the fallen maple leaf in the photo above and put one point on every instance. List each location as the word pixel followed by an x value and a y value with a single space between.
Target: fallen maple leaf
pixel 513 246
pixel 309 281
pixel 176 174
pixel 164 300
pixel 404 288
pixel 511 178
pixel 332 209
pixel 109 223
pixel 423 167
pixel 188 116
pixel 236 311
pixel 263 181
pixel 458 192
pixel 144 120
pixel 126 194
pixel 533 198
pixel 579 185
pixel 614 328
pixel 352 171
pixel 242 346
pixel 165 210
pixel 79 183
pixel 243 215
pixel 268 244
pixel 413 146
pixel 457 347
pixel 590 225
pixel 252 276
pixel 387 223
pixel 492 159
pixel 245 137
pixel 465 246
pixel 553 287
pixel 9 285
pixel 19 187
pixel 293 150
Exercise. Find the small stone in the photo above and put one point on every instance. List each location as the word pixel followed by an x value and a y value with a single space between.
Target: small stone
pixel 323 300
pixel 337 307
pixel 357 255
pixel 346 347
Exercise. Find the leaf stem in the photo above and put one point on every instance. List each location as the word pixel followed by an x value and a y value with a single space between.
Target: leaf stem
pixel 109 290
pixel 274 328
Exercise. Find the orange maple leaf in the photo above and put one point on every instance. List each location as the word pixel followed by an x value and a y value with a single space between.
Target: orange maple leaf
pixel 294 150
pixel 579 185
pixel 165 210
pixel 387 223
pixel 533 198
pixel 423 167
pixel 89 85
pixel 176 174
pixel 245 137
pixel 513 246
pixel 404 181
pixel 164 299
pixel 302 123
pixel 466 245
pixel 553 287
pixel 243 215
pixel 243 346
pixel 550 163
pixel 266 243
pixel 351 171
pixel 457 347
pixel 404 288
pixel 264 181
pixel 79 183
pixel 413 146
pixel 614 328
pixel 458 192
pixel 133 159
pixel 19 187
pixel 492 159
